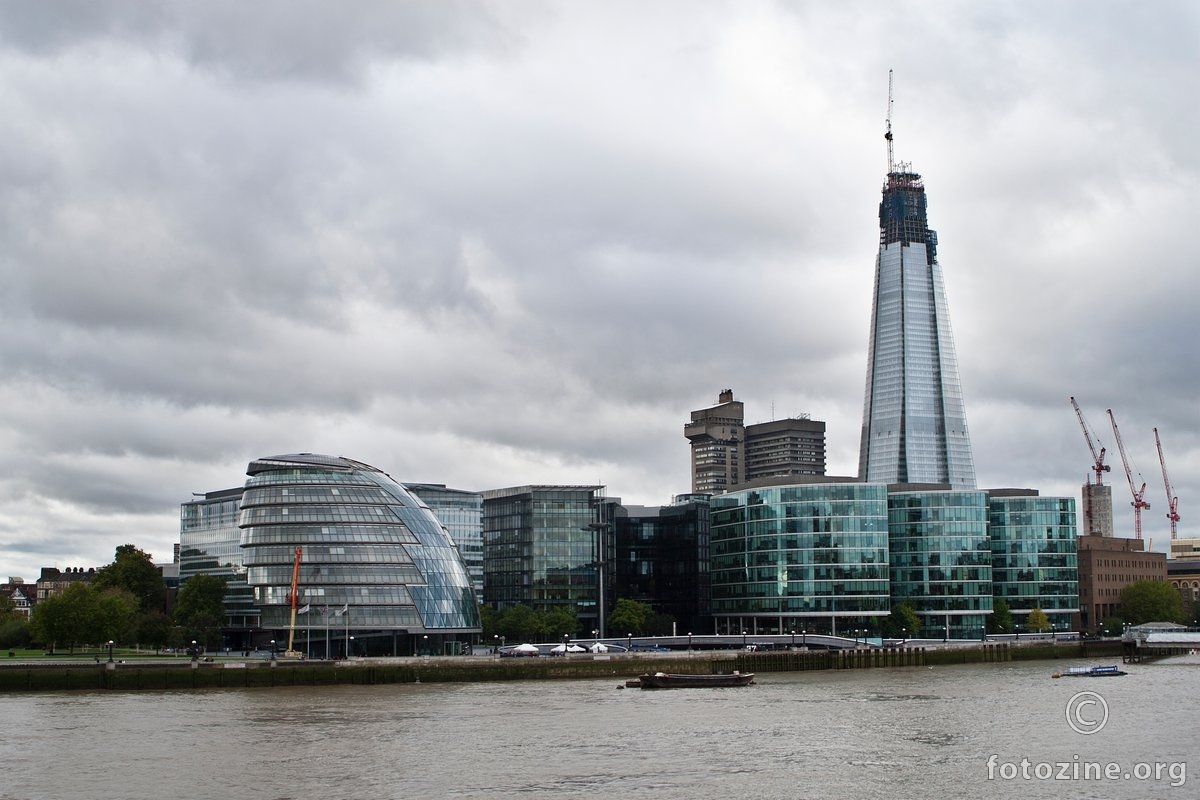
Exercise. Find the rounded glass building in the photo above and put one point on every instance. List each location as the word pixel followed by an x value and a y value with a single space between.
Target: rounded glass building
pixel 378 574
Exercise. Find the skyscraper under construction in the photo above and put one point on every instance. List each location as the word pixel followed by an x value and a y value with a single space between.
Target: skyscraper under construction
pixel 914 419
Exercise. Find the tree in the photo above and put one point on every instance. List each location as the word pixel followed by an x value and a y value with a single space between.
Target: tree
pixel 133 570
pixel 903 622
pixel 8 607
pixel 14 632
pixel 64 619
pixel 200 607
pixel 1000 620
pixel 629 616
pixel 1150 601
pixel 1037 621
pixel 560 621
pixel 520 623
pixel 1113 626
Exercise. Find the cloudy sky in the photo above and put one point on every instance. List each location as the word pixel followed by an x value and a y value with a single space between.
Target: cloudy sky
pixel 491 244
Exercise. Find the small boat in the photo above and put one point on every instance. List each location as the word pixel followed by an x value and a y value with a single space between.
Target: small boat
pixel 664 680
pixel 1089 672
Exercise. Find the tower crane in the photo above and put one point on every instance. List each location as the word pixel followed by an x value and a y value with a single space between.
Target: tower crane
pixel 1172 499
pixel 1139 495
pixel 1098 465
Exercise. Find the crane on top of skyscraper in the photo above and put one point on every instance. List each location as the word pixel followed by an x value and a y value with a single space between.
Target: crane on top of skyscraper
pixel 1098 465
pixel 888 135
pixel 1172 499
pixel 1139 495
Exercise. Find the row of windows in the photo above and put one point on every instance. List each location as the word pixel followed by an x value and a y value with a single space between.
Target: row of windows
pixel 281 575
pixel 315 555
pixel 302 535
pixel 268 515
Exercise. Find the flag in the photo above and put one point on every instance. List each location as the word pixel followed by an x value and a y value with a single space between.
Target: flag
pixel 324 611
pixel 305 610
pixel 342 610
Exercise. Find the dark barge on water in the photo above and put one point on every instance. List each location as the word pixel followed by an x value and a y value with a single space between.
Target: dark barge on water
pixel 666 680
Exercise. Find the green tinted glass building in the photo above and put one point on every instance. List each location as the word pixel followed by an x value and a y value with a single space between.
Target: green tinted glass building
pixel 1034 563
pixel 941 561
pixel 810 557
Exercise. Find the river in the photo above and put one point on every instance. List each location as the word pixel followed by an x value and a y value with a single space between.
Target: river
pixel 943 732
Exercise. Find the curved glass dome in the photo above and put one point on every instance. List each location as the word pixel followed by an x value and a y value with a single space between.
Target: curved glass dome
pixel 374 559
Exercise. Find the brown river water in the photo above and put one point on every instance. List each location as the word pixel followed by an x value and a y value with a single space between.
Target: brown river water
pixel 991 730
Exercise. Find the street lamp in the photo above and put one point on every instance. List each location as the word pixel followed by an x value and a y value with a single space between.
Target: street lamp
pixel 743 640
pixel 110 647
pixel 793 632
pixel 803 637
pixel 425 645
pixel 351 647
pixel 196 650
pixel 903 636
pixel 629 642
pixel 272 650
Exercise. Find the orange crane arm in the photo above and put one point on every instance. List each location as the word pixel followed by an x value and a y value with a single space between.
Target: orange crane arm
pixel 292 597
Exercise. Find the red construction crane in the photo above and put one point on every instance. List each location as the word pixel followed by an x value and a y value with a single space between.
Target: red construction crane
pixel 1098 465
pixel 1172 500
pixel 1139 495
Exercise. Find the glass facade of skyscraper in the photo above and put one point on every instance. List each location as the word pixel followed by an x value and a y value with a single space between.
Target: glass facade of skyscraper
pixel 210 544
pixel 1034 561
pixel 660 557
pixel 808 557
pixel 540 549
pixel 914 418
pixel 461 513
pixel 941 561
pixel 376 566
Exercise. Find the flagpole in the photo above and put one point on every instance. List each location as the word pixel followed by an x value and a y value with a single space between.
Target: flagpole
pixel 346 614
pixel 325 614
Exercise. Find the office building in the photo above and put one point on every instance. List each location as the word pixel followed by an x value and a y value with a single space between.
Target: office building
pixel 542 549
pixel 800 557
pixel 210 543
pixel 377 574
pixel 941 561
pixel 727 453
pixel 1034 561
pixel 914 418
pixel 660 556
pixel 461 512
pixel 1106 566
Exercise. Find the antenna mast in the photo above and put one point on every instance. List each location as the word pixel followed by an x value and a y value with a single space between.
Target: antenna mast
pixel 888 135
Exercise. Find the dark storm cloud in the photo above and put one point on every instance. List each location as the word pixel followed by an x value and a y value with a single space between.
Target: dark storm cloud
pixel 305 40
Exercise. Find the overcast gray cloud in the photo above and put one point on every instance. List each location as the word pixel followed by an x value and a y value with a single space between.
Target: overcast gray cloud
pixel 494 244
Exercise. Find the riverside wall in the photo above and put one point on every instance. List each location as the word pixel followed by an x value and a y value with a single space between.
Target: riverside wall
pixel 158 676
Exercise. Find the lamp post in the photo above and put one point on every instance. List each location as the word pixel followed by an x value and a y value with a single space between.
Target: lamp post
pixel 272 650
pixel 110 647
pixel 804 637
pixel 743 640
pixel 351 647
pixel 689 641
pixel 793 632
pixel 628 642
pixel 425 645
pixel 903 636
pixel 196 650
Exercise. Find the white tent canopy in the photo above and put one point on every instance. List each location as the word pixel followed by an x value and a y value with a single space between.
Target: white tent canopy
pixel 526 648
pixel 599 647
